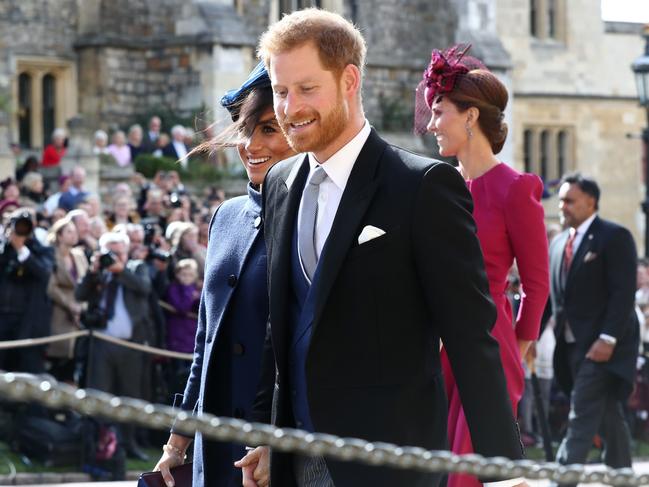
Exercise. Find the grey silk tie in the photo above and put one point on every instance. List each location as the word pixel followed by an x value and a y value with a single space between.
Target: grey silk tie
pixel 306 233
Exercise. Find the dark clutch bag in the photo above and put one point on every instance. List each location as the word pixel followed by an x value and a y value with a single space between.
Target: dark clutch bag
pixel 182 476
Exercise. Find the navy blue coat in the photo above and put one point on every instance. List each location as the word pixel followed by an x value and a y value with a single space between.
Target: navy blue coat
pixel 231 327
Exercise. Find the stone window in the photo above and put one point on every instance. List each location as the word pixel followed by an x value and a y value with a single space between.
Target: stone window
pixel 25 110
pixel 548 151
pixel 288 6
pixel 45 98
pixel 49 107
pixel 547 18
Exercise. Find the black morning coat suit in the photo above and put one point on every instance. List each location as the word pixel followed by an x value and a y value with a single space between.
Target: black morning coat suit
pixel 597 297
pixel 373 368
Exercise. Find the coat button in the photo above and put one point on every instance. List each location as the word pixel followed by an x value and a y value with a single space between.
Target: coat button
pixel 237 349
pixel 257 222
pixel 238 413
pixel 232 280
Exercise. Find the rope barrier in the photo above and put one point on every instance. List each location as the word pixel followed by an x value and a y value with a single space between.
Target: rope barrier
pixel 26 387
pixel 31 342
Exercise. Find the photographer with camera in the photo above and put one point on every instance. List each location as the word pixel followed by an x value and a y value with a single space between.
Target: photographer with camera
pixel 117 290
pixel 25 310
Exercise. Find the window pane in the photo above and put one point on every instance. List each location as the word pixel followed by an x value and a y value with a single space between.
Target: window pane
pixel 561 152
pixel 49 103
pixel 25 110
pixel 527 150
pixel 533 14
pixel 545 141
pixel 552 30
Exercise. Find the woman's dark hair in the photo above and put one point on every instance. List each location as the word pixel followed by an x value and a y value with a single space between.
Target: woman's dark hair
pixel 249 112
pixel 482 89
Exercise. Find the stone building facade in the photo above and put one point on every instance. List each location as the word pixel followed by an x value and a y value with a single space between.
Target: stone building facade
pixel 574 100
pixel 110 61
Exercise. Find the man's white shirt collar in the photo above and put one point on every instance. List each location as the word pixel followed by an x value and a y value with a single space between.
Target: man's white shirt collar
pixel 583 228
pixel 339 166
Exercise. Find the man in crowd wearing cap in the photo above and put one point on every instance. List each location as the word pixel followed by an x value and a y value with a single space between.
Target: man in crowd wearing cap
pixel 52 203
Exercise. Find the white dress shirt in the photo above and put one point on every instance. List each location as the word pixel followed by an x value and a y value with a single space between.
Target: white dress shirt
pixel 181 151
pixel 120 325
pixel 581 232
pixel 338 168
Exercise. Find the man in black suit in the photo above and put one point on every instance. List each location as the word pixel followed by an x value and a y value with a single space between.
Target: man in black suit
pixel 373 258
pixel 117 291
pixel 151 136
pixel 593 269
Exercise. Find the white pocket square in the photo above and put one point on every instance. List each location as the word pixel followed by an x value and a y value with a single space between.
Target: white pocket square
pixel 590 256
pixel 369 232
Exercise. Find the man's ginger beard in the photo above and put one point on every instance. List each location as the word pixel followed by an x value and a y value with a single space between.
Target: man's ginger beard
pixel 330 127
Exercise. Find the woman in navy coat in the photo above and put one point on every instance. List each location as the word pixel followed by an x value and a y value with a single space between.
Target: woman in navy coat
pixel 234 303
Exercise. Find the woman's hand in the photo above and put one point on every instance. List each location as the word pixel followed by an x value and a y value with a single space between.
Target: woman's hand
pixel 172 457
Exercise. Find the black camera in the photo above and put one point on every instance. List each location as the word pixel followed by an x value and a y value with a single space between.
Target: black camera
pixel 22 224
pixel 161 255
pixel 106 259
pixel 175 201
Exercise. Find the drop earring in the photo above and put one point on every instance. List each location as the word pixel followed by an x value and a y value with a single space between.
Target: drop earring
pixel 469 132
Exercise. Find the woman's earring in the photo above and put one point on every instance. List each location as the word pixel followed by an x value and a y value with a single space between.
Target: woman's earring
pixel 469 132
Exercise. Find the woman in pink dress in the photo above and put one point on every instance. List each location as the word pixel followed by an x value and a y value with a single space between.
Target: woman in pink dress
pixel 467 108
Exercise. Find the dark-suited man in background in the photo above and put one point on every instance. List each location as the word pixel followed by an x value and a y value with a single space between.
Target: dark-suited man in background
pixel 593 273
pixel 117 290
pixel 373 257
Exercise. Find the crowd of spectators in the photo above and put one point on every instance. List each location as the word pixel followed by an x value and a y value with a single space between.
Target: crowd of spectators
pixel 128 264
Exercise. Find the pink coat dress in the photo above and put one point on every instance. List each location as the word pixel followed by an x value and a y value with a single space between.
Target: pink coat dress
pixel 509 218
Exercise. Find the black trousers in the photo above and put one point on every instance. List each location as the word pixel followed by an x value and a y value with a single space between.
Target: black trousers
pixel 27 359
pixel 594 408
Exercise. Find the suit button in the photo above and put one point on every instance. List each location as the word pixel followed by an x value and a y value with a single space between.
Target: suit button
pixel 237 349
pixel 293 392
pixel 238 413
pixel 232 280
pixel 299 424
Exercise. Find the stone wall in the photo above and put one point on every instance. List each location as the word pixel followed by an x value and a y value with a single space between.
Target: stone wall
pixel 590 61
pixel 38 27
pixel 400 37
pixel 602 150
pixel 119 83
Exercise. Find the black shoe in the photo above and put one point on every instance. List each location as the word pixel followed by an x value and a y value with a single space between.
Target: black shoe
pixel 135 453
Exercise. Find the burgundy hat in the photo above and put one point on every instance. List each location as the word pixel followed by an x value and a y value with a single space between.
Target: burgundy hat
pixel 440 77
pixel 63 178
pixel 8 205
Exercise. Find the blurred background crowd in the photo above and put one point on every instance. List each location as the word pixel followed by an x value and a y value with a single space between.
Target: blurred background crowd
pixel 127 261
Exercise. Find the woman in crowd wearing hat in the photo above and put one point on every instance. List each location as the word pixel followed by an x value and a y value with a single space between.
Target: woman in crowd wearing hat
pixel 70 267
pixel 234 302
pixel 464 108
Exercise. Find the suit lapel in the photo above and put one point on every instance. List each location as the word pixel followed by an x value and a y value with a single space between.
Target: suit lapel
pixel 584 247
pixel 557 260
pixel 285 203
pixel 360 189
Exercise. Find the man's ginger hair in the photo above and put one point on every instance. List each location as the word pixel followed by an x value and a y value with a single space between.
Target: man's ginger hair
pixel 338 41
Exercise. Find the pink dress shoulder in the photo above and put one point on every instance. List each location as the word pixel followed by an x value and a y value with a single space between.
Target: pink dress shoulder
pixel 510 222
